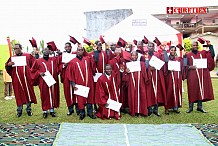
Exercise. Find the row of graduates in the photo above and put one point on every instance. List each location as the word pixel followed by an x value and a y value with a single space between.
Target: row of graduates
pixel 141 92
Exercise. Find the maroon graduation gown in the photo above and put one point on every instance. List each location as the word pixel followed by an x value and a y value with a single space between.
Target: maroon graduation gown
pixel 102 61
pixel 50 96
pixel 156 85
pixel 105 89
pixel 68 89
pixel 84 78
pixel 137 97
pixel 116 63
pixel 173 80
pixel 198 80
pixel 21 81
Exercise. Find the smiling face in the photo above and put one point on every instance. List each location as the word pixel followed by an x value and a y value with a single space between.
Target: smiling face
pixel 46 52
pixel 17 49
pixel 150 47
pixel 68 48
pixel 173 51
pixel 108 69
pixel 195 46
pixel 99 46
pixel 80 51
pixel 134 56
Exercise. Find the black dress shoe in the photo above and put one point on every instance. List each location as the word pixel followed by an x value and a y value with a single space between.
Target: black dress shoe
pixel 70 113
pixel 81 117
pixel 189 110
pixel 29 113
pixel 92 116
pixel 52 114
pixel 45 115
pixel 157 114
pixel 149 113
pixel 177 111
pixel 201 110
pixel 19 114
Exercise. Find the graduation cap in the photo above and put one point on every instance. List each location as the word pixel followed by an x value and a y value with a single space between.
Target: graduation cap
pixel 33 42
pixel 135 42
pixel 101 39
pixel 169 43
pixel 86 41
pixel 126 55
pixel 180 47
pixel 73 40
pixel 52 46
pixel 201 40
pixel 121 42
pixel 145 40
pixel 156 40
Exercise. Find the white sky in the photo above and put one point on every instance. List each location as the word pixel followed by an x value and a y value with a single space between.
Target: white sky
pixel 54 20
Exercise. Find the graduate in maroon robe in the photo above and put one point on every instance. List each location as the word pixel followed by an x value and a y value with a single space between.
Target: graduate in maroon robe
pixel 118 64
pixel 68 89
pixel 21 81
pixel 173 80
pixel 80 72
pixel 109 52
pixel 50 96
pixel 156 90
pixel 199 83
pixel 137 97
pixel 107 88
pixel 100 57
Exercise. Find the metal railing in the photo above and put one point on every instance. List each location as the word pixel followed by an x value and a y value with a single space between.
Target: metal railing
pixel 205 22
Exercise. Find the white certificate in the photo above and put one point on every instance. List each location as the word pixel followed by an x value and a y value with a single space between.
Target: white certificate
pixel 134 66
pixel 19 61
pixel 156 62
pixel 174 65
pixel 97 75
pixel 114 105
pixel 67 57
pixel 200 63
pixel 48 78
pixel 82 91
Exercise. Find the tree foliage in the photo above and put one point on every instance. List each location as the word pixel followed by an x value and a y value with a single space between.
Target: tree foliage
pixel 188 44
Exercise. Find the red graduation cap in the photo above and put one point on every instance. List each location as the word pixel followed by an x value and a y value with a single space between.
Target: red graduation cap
pixel 73 40
pixel 180 47
pixel 52 46
pixel 86 41
pixel 156 40
pixel 201 40
pixel 101 39
pixel 121 42
pixel 135 42
pixel 33 42
pixel 145 40
pixel 126 55
pixel 169 43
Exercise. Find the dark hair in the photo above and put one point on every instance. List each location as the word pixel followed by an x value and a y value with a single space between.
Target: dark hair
pixel 68 43
pixel 134 52
pixel 96 42
pixel 171 47
pixel 107 65
pixel 20 46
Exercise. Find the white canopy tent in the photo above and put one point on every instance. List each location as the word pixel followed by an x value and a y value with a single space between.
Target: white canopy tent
pixel 138 25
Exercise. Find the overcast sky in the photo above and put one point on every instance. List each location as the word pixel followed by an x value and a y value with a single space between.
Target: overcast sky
pixel 54 20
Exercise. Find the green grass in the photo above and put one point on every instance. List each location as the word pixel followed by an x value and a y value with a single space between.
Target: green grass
pixel 8 112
